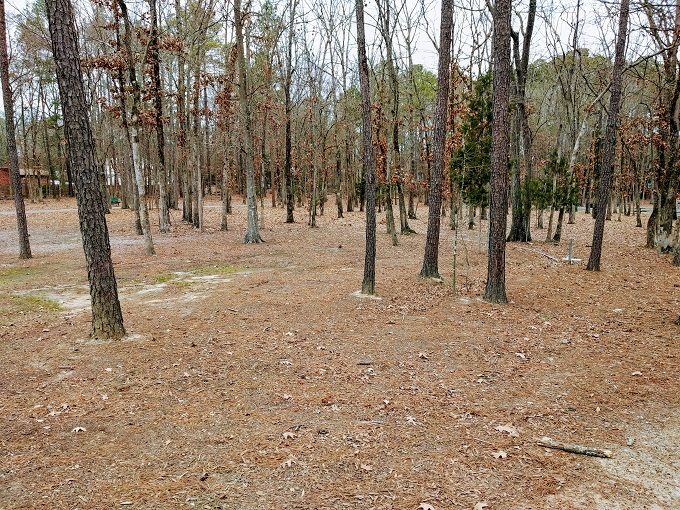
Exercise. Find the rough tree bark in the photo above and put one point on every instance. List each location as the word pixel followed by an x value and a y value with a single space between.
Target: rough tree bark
pixel 133 126
pixel 225 110
pixel 430 267
pixel 8 102
pixel 107 319
pixel 253 229
pixel 287 170
pixel 181 136
pixel 498 197
pixel 163 216
pixel 368 285
pixel 520 228
pixel 607 160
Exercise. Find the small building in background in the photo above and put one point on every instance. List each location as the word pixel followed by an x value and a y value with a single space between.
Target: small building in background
pixel 31 178
pixel 4 182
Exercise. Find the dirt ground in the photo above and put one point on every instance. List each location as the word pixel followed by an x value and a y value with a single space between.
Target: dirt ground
pixel 253 378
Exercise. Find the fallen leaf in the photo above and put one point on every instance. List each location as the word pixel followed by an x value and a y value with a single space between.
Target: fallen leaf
pixel 288 435
pixel 366 467
pixel 289 462
pixel 636 373
pixel 500 454
pixel 79 429
pixel 422 355
pixel 410 420
pixel 481 505
pixel 425 506
pixel 509 429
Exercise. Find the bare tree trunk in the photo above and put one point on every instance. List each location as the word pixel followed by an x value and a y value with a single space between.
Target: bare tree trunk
pixel 368 285
pixel 498 197
pixel 610 141
pixel 225 183
pixel 225 104
pixel 107 319
pixel 520 229
pixel 636 191
pixel 134 131
pixel 161 172
pixel 430 267
pixel 287 166
pixel 181 137
pixel 253 230
pixel 8 102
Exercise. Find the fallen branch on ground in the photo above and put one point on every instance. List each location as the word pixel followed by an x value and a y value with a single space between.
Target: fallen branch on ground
pixel 574 448
pixel 542 253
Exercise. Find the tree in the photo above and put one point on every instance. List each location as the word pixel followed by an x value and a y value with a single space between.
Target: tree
pixel 368 285
pixel 287 82
pixel 133 125
pixel 498 200
pixel 253 230
pixel 387 32
pixel 163 216
pixel 430 267
pixel 8 102
pixel 107 319
pixel 520 229
pixel 607 159
pixel 663 26
pixel 471 161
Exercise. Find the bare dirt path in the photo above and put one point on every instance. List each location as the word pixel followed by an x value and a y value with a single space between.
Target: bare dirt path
pixel 252 377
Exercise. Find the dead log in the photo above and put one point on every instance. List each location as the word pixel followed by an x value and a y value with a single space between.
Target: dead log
pixel 575 448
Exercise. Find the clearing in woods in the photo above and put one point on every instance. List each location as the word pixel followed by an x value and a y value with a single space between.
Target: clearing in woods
pixel 252 378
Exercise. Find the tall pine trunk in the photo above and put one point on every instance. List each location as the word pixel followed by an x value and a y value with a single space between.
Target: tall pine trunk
pixel 431 259
pixel 368 284
pixel 287 165
pixel 161 172
pixel 520 229
pixel 133 126
pixel 607 160
pixel 8 102
pixel 107 319
pixel 498 197
pixel 252 229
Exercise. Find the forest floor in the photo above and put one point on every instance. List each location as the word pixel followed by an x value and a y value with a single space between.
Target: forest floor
pixel 253 377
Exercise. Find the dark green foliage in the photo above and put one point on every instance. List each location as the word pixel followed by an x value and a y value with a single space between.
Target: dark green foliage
pixel 540 189
pixel 471 162
pixel 565 192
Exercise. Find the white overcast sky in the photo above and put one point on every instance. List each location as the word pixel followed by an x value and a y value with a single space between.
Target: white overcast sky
pixel 555 19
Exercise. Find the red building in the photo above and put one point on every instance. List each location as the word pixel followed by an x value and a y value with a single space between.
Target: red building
pixel 29 177
pixel 4 182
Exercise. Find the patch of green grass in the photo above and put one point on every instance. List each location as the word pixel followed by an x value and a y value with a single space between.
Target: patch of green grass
pixel 29 303
pixel 181 284
pixel 164 277
pixel 216 269
pixel 12 274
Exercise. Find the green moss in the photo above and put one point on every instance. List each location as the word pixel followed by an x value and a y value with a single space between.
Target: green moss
pixel 12 274
pixel 29 303
pixel 164 277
